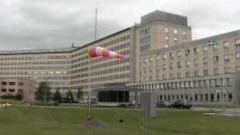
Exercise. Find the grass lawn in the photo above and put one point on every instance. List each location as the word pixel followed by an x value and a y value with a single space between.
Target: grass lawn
pixel 66 121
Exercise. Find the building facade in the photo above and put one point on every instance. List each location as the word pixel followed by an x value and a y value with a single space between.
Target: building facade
pixel 15 86
pixel 70 69
pixel 159 48
pixel 201 71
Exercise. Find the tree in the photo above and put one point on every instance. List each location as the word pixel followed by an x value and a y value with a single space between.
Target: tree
pixel 79 94
pixel 19 95
pixel 57 96
pixel 43 92
pixel 69 97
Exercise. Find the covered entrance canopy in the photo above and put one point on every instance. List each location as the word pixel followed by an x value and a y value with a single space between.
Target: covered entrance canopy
pixel 113 94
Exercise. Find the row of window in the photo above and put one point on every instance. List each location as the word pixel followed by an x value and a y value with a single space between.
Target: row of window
pixel 203 97
pixel 4 63
pixel 110 77
pixel 185 84
pixel 9 90
pixel 195 50
pixel 12 83
pixel 32 58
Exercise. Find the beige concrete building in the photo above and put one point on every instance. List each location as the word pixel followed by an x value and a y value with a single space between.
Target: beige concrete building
pixel 69 69
pixel 13 86
pixel 158 49
pixel 203 71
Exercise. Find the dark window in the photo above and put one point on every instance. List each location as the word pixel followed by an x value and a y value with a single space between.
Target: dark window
pixel 21 83
pixel 12 83
pixel 11 90
pixel 4 90
pixel 4 83
pixel 187 51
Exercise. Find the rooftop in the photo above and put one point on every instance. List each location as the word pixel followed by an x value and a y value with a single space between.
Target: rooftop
pixel 160 16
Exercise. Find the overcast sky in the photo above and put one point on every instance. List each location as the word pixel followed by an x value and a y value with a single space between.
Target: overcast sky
pixel 33 24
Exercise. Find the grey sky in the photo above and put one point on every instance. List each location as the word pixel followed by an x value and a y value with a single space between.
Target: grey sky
pixel 30 24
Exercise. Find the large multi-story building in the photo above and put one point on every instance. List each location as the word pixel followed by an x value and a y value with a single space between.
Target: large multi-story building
pixel 157 49
pixel 70 68
pixel 203 71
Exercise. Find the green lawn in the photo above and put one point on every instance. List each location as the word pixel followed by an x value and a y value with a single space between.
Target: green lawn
pixel 65 121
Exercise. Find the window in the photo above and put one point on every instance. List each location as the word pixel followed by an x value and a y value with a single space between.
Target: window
pixel 196 50
pixel 230 97
pixel 237 42
pixel 175 31
pixel 184 32
pixel 196 73
pixel 187 51
pixel 226 58
pixel 171 65
pixel 225 44
pixel 227 70
pixel 4 83
pixel 166 46
pixel 145 60
pixel 179 64
pixel 171 54
pixel 166 29
pixel 151 59
pixel 164 56
pixel 12 83
pixel 187 74
pixel 3 90
pixel 11 90
pixel 238 68
pixel 205 48
pixel 175 39
pixel 215 46
pixel 179 54
pixel 215 71
pixel 238 55
pixel 164 67
pixel 166 38
pixel 187 63
pixel 179 75
pixel 195 62
pixel 205 72
pixel 215 59
pixel 205 60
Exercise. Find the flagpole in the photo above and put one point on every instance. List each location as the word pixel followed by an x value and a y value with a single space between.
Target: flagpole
pixel 90 70
pixel 89 91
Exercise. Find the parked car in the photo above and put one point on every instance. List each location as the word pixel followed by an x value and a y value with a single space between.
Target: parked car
pixel 163 104
pixel 181 104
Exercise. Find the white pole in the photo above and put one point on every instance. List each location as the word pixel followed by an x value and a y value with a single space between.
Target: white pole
pixel 95 34
pixel 89 94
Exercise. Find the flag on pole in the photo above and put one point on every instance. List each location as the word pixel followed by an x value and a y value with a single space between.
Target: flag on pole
pixel 99 51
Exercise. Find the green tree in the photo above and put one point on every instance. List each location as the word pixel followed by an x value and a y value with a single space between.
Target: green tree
pixel 79 94
pixel 19 95
pixel 57 96
pixel 69 97
pixel 43 92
